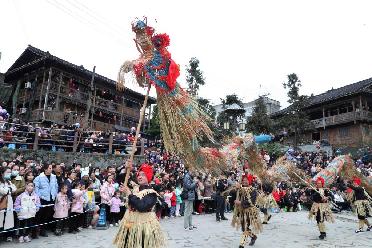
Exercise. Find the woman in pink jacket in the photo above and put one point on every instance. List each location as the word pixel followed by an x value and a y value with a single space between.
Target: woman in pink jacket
pixel 107 192
pixel 77 208
pixel 61 208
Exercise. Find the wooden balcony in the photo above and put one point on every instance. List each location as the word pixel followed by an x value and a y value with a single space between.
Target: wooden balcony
pixel 343 118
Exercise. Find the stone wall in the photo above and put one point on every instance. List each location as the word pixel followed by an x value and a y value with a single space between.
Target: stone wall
pixel 96 160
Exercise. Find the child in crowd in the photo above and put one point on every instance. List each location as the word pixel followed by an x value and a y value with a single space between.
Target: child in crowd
pixel 26 205
pixel 89 205
pixel 167 198
pixel 179 200
pixel 173 203
pixel 116 202
pixel 77 209
pixel 61 208
pixel 107 192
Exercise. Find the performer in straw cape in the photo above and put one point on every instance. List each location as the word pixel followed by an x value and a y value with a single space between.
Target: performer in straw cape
pixel 320 208
pixel 246 214
pixel 265 201
pixel 139 226
pixel 361 204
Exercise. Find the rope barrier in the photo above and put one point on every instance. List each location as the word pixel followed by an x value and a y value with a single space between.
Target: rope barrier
pixel 47 223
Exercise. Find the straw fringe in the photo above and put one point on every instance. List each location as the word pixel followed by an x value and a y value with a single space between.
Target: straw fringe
pixel 363 207
pixel 140 230
pixel 246 218
pixel 325 212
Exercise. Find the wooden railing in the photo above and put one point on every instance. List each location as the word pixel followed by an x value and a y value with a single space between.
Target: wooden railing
pixel 342 118
pixel 15 136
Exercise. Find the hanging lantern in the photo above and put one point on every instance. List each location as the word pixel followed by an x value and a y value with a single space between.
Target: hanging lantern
pixel 100 114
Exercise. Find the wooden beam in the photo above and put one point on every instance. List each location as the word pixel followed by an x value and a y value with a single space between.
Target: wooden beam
pixel 353 104
pixel 47 92
pixel 59 90
pixel 15 98
pixel 89 101
pixel 42 89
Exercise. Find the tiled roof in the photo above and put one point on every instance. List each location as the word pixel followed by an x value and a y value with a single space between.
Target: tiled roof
pixel 333 94
pixel 347 90
pixel 39 55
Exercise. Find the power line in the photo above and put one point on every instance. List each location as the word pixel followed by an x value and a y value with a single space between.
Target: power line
pixel 83 19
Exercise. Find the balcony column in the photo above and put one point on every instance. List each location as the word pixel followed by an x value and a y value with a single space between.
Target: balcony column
pixel 59 91
pixel 47 93
pixel 353 103
pixel 42 89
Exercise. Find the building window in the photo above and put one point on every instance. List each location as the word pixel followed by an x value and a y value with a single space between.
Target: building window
pixel 344 131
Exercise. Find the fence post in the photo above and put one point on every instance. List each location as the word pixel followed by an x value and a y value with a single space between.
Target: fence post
pixel 36 140
pixel 111 139
pixel 74 146
pixel 142 147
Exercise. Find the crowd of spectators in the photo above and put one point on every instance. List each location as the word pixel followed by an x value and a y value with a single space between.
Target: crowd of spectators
pixel 62 138
pixel 37 199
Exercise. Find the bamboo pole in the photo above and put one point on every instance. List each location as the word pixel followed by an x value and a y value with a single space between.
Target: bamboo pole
pixel 134 146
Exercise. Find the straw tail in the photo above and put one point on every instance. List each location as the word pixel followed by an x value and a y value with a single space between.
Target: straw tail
pixel 183 124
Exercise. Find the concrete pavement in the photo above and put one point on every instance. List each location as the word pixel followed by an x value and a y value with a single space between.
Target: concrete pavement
pixel 284 230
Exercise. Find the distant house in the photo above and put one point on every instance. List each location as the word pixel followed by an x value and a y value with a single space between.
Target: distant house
pixel 47 89
pixel 272 106
pixel 341 116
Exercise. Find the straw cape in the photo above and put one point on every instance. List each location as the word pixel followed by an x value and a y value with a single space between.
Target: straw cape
pixel 140 229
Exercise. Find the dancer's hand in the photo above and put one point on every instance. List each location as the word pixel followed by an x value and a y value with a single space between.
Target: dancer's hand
pixel 237 202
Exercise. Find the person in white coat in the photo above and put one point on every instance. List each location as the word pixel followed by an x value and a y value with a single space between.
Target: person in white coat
pixel 6 189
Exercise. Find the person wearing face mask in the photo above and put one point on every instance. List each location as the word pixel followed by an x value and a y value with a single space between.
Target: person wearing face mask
pixel 18 181
pixel 6 201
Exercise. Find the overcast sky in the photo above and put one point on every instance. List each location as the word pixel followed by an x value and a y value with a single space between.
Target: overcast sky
pixel 244 47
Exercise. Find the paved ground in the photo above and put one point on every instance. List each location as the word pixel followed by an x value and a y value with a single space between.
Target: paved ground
pixel 285 230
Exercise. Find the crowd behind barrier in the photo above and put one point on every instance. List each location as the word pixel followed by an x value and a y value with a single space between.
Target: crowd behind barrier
pixel 64 139
pixel 37 199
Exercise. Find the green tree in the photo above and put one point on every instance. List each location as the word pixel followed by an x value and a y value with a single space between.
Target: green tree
pixel 207 107
pixel 260 122
pixel 295 118
pixel 194 77
pixel 154 129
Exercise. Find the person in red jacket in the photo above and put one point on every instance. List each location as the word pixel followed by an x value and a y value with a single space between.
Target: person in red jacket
pixel 173 203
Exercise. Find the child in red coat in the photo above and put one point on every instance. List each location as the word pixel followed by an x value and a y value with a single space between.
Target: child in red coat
pixel 173 203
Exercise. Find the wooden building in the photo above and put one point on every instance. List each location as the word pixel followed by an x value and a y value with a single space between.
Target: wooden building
pixel 341 116
pixel 49 89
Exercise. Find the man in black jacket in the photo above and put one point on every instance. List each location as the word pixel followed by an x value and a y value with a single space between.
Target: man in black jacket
pixel 221 186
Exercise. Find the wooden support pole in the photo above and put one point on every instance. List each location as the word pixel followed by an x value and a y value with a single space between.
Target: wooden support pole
pixel 111 141
pixel 47 93
pixel 15 98
pixel 42 89
pixel 134 146
pixel 353 103
pixel 36 140
pixel 122 111
pixel 59 91
pixel 75 145
pixel 324 126
pixel 89 101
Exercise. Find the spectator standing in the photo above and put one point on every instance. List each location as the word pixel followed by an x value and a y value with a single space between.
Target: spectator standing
pixel 107 192
pixel 61 208
pixel 6 201
pixel 189 186
pixel 115 205
pixel 26 206
pixel 46 188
